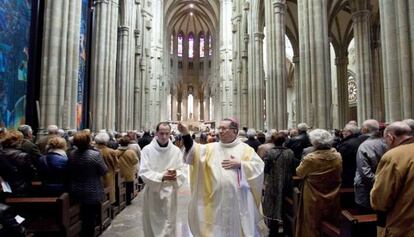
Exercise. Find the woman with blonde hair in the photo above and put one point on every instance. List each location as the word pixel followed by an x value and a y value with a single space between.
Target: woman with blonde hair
pixel 53 167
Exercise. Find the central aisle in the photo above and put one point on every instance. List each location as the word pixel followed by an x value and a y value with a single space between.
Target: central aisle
pixel 129 222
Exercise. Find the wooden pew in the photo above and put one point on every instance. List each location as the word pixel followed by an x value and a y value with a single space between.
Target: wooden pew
pixel 105 215
pixel 358 225
pixel 120 196
pixel 290 211
pixel 351 226
pixel 48 216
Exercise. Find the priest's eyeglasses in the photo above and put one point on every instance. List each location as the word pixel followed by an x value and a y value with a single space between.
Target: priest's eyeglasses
pixel 223 129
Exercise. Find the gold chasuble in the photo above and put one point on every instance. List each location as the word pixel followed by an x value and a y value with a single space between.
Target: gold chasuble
pixel 225 202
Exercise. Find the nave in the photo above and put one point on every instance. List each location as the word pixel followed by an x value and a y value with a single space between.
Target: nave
pixel 129 222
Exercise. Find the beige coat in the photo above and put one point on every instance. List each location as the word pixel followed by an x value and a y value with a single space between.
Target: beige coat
pixel 111 160
pixel 393 190
pixel 321 173
pixel 128 161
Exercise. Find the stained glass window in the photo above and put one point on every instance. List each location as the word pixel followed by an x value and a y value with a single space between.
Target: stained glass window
pixel 201 45
pixel 172 45
pixel 191 45
pixel 180 45
pixel 210 49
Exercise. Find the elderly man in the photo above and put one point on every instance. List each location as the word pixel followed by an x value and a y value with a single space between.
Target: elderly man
pixel 27 144
pixel 226 185
pixel 393 190
pixel 52 131
pixel 348 148
pixel 251 139
pixel 299 142
pixel 368 155
pixel 162 171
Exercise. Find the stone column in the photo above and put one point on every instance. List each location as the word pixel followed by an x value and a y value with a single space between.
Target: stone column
pixel 378 86
pixel 102 97
pixel 276 97
pixel 315 62
pixel 137 71
pixel 244 68
pixel 342 77
pixel 255 89
pixel 398 46
pixel 60 64
pixel 145 66
pixel 298 99
pixel 361 17
pixel 226 57
pixel 122 80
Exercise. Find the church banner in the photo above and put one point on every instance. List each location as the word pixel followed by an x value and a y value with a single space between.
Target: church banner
pixel 15 18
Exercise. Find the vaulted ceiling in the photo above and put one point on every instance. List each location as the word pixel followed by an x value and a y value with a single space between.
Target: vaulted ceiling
pixel 192 16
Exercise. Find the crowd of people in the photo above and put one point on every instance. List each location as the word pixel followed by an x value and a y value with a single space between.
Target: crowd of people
pixel 239 178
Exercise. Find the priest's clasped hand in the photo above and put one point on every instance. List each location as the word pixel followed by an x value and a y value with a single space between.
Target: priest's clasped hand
pixel 231 163
pixel 169 176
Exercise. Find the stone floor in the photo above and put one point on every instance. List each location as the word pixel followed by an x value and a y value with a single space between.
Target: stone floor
pixel 129 222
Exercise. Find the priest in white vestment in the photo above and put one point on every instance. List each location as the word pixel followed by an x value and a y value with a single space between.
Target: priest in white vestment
pixel 226 180
pixel 161 170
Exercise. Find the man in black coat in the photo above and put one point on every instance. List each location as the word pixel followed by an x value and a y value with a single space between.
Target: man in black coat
pixel 299 142
pixel 348 148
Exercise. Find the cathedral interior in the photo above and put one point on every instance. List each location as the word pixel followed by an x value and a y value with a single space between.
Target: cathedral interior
pixel 127 64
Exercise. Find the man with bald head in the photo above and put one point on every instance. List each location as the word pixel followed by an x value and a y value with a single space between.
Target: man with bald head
pixel 393 190
pixel 368 155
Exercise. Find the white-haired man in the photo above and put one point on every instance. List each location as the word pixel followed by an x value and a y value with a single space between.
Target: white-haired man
pixel 251 139
pixel 299 142
pixel 226 185
pixel 348 148
pixel 52 131
pixel 368 155
pixel 393 190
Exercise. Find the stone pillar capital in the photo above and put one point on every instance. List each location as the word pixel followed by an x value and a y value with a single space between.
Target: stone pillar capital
pixel 258 36
pixel 246 38
pixel 123 30
pixel 361 15
pixel 246 6
pixel 279 7
pixel 98 2
pixel 341 61
pixel 137 33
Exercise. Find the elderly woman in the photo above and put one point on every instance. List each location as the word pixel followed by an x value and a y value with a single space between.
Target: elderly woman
pixel 321 173
pixel 86 168
pixel 111 160
pixel 16 166
pixel 128 161
pixel 53 166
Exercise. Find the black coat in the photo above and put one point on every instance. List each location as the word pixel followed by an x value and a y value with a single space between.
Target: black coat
pixel 86 167
pixel 297 144
pixel 348 148
pixel 17 169
pixel 253 143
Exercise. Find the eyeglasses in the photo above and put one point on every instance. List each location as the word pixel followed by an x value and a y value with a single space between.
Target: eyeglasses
pixel 222 129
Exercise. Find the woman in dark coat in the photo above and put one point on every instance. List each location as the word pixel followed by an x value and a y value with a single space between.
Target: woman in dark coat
pixel 279 169
pixel 16 166
pixel 53 167
pixel 86 168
